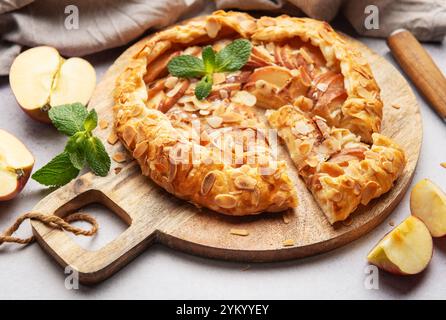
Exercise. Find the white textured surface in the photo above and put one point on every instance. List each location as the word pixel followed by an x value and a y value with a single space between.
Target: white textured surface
pixel 161 273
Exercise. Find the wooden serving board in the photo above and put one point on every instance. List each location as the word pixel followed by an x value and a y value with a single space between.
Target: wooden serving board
pixel 153 215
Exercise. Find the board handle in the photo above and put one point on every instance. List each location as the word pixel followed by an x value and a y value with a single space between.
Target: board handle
pixel 92 266
pixel 419 66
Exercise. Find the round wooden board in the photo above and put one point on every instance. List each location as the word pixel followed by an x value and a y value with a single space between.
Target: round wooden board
pixel 155 215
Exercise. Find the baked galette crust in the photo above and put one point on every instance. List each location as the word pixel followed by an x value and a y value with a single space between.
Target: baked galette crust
pixel 315 73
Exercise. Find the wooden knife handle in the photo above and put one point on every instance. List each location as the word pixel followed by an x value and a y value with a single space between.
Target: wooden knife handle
pixel 419 66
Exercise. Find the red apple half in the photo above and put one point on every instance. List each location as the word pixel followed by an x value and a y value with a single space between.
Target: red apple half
pixel 16 164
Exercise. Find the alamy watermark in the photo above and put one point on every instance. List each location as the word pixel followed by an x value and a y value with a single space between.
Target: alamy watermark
pixel 72 17
pixel 371 21
pixel 72 278
pixel 371 281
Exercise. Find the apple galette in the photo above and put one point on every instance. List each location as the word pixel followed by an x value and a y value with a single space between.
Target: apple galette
pixel 186 108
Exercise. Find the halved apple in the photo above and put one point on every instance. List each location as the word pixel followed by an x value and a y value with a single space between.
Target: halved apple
pixel 16 164
pixel 405 250
pixel 40 78
pixel 428 203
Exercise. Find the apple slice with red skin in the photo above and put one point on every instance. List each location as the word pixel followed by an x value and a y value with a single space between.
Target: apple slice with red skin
pixel 277 76
pixel 405 250
pixel 428 203
pixel 16 164
pixel 40 79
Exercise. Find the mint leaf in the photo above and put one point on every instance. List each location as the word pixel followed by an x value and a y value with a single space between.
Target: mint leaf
pixel 208 56
pixel 68 118
pixel 77 158
pixel 57 172
pixel 97 157
pixel 75 149
pixel 234 56
pixel 91 121
pixel 186 66
pixel 204 87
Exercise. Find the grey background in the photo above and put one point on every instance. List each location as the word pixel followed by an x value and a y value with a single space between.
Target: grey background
pixel 161 273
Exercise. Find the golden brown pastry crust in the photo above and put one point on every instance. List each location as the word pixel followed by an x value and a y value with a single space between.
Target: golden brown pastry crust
pixel 340 171
pixel 147 131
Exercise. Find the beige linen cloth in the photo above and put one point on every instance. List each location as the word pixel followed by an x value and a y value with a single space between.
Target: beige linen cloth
pixel 104 24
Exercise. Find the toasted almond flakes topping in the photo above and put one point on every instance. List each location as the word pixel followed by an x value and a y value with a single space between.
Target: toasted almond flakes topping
pixel 245 182
pixel 225 201
pixel 244 97
pixel 212 27
pixel 112 138
pixel 239 232
pixel 171 82
pixel 103 124
pixel 215 121
pixel 119 157
pixel 208 183
pixel 218 77
pixel 288 243
pixel 395 106
pixel 322 87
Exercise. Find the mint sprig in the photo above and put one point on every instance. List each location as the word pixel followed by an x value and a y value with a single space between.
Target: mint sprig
pixel 82 147
pixel 231 58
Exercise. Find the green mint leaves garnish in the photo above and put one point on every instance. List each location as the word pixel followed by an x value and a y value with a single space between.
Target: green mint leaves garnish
pixel 204 87
pixel 57 172
pixel 234 56
pixel 82 147
pixel 231 58
pixel 69 118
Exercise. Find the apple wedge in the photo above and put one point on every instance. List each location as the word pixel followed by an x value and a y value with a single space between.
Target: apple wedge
pixel 16 164
pixel 40 78
pixel 428 203
pixel 274 75
pixel 405 250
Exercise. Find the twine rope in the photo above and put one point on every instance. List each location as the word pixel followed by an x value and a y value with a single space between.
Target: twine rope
pixel 51 221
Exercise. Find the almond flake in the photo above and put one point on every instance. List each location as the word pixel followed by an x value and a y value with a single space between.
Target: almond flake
pixel 212 27
pixel 118 170
pixel 302 127
pixel 204 112
pixel 322 87
pixel 239 232
pixel 443 164
pixel 395 106
pixel 215 121
pixel 103 124
pixel 244 97
pixel 245 182
pixel 223 94
pixel 226 201
pixel 218 77
pixel 288 243
pixel 231 117
pixel 119 157
pixel 112 138
pixel 175 90
pixel 171 82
